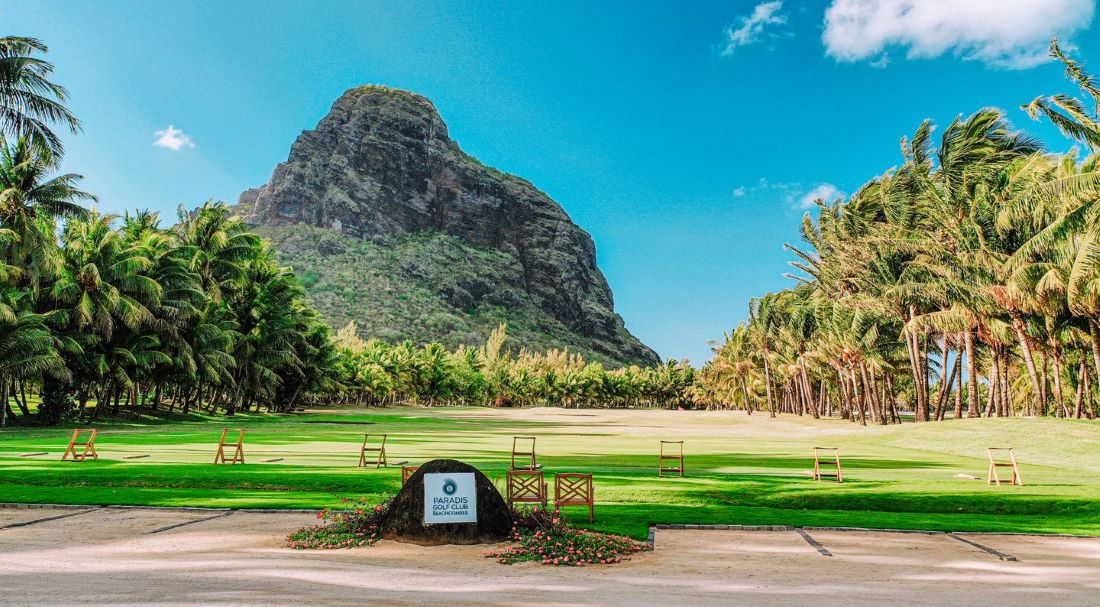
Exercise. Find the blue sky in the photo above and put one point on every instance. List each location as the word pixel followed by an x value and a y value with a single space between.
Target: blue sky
pixel 683 136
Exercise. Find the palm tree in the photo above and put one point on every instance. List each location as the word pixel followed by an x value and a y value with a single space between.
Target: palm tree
pixel 218 245
pixel 30 202
pixel 28 348
pixel 29 101
pixel 1068 113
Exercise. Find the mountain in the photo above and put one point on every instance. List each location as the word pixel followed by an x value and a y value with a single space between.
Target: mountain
pixel 390 224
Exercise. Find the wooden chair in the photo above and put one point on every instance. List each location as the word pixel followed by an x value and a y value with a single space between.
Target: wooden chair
pixel 378 454
pixel 524 455
pixel 818 474
pixel 88 446
pixel 995 463
pixel 407 472
pixel 677 457
pixel 526 486
pixel 575 489
pixel 238 448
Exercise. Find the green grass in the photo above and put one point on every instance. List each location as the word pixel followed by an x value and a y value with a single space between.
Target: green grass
pixel 740 470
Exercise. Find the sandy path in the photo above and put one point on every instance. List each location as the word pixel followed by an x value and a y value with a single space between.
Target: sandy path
pixel 108 557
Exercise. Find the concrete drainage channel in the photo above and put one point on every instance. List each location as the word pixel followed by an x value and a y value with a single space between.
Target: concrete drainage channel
pixel 804 532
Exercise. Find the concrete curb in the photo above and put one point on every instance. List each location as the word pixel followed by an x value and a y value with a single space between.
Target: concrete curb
pixel 21 506
pixel 653 528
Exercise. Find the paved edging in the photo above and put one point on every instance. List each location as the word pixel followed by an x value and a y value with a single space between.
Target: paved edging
pixel 21 506
pixel 865 529
pixel 47 519
pixel 653 528
pixel 997 553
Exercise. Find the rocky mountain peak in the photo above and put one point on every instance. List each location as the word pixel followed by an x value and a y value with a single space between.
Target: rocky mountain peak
pixel 381 167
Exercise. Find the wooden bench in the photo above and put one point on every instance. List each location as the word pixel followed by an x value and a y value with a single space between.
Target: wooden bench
pixel 88 446
pixel 522 456
pixel 575 489
pixel 676 456
pixel 838 474
pixel 238 448
pixel 995 462
pixel 407 472
pixel 378 454
pixel 526 486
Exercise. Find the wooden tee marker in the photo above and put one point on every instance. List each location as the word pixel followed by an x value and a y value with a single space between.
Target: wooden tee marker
pixel 88 445
pixel 995 463
pixel 575 489
pixel 523 455
pixel 526 486
pixel 818 474
pixel 378 454
pixel 238 448
pixel 675 455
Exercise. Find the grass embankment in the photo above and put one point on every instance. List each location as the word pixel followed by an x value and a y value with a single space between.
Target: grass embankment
pixel 740 470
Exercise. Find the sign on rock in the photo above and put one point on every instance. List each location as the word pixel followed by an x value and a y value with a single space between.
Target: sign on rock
pixel 450 498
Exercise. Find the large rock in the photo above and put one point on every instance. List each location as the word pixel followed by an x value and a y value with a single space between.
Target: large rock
pixel 405 520
pixel 381 166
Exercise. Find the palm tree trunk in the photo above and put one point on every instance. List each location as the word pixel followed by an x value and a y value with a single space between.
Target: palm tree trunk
pixel 857 395
pixel 808 387
pixel 844 396
pixel 991 397
pixel 1043 400
pixel 947 382
pixel 1079 400
pixel 1094 341
pixel 1025 349
pixel 20 389
pixel 1056 357
pixel 971 376
pixel 921 405
pixel 3 402
pixel 768 382
pixel 870 392
pixel 745 394
pixel 959 390
pixel 893 397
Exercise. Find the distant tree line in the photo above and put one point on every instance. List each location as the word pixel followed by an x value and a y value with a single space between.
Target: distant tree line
pixel 377 373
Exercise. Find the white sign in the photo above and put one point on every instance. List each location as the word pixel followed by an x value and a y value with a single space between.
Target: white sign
pixel 450 498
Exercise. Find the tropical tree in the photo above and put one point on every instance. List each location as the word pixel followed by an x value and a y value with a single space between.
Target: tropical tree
pixel 29 101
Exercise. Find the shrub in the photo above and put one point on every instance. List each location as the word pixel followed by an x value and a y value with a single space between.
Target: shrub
pixel 359 524
pixel 544 536
pixel 56 403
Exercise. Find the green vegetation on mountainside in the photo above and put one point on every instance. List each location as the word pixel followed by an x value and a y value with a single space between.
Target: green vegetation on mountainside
pixel 425 287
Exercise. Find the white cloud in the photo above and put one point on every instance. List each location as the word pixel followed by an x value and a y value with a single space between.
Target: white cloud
pixel 752 27
pixel 826 191
pixel 1000 33
pixel 173 139
pixel 739 192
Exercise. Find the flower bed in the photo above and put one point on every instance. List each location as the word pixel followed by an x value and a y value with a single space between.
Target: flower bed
pixel 357 525
pixel 545 537
pixel 539 535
